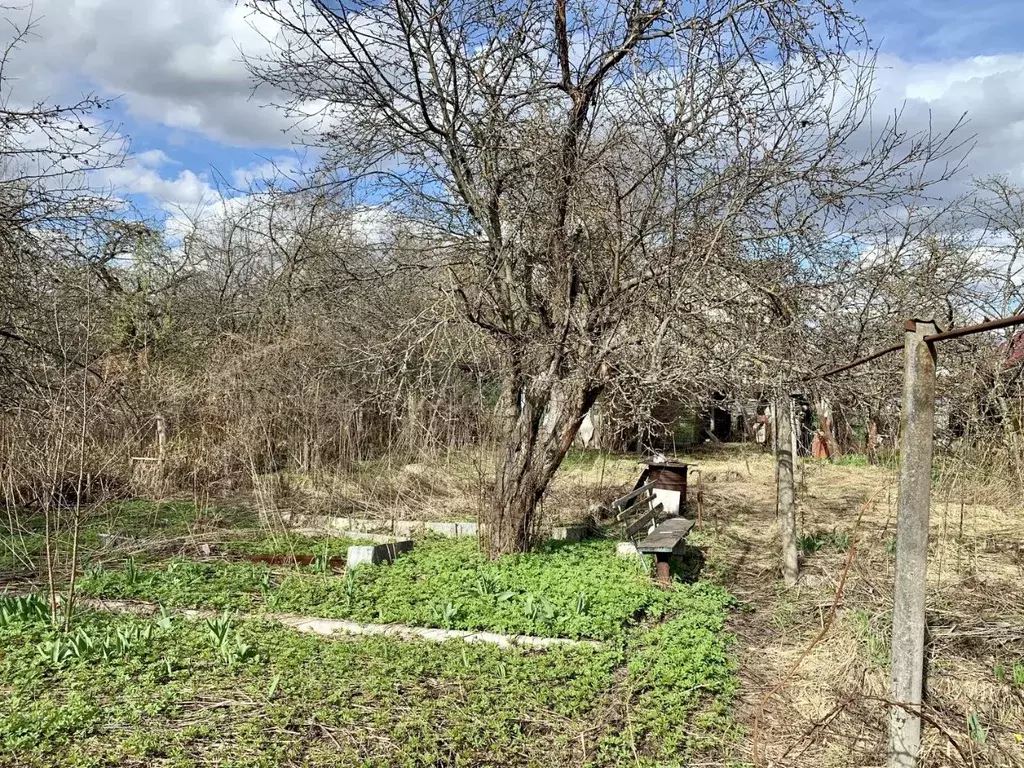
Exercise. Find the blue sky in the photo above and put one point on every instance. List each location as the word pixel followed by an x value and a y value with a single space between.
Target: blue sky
pixel 186 101
pixel 930 30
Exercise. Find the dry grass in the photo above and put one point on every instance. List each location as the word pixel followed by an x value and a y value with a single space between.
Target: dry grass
pixel 831 712
pixel 445 489
pixel 452 487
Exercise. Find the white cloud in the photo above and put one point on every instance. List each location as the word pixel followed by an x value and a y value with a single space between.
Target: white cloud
pixel 373 224
pixel 270 170
pixel 153 158
pixel 176 62
pixel 990 89
pixel 187 190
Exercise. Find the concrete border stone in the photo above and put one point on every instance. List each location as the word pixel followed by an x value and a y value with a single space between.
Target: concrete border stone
pixel 375 554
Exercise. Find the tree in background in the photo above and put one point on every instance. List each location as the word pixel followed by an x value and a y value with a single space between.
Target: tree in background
pixel 585 180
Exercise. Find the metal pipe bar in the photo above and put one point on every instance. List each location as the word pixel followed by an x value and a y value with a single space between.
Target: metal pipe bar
pixel 859 361
pixel 956 333
pixel 968 330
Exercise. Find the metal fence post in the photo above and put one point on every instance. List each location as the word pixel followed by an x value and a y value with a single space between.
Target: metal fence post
pixel 917 426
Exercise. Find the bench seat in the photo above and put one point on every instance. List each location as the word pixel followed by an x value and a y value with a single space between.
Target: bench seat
pixel 665 540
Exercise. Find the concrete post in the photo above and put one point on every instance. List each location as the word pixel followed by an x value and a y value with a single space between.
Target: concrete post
pixel 161 454
pixel 784 461
pixel 917 425
pixel 161 437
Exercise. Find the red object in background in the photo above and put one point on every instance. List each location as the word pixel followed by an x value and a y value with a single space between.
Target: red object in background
pixel 1013 349
pixel 819 446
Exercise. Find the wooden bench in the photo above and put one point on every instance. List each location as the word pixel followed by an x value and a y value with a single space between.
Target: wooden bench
pixel 637 511
pixel 664 541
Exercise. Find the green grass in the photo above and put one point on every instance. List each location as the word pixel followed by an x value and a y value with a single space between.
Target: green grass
pixel 565 590
pixel 852 460
pixel 143 518
pixel 167 694
pixel 20 551
pixel 1012 673
pixel 292 544
pixel 584 458
pixel 884 459
pixel 869 629
pixel 809 543
pixel 24 548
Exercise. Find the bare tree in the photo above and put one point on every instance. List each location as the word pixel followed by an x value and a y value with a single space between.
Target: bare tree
pixel 570 168
pixel 51 218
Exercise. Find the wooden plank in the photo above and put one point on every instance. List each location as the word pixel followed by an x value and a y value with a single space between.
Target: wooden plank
pixel 639 524
pixel 659 542
pixel 640 505
pixel 680 525
pixel 666 537
pixel 621 503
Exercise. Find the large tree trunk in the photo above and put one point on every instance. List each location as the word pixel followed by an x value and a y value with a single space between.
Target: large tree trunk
pixel 539 424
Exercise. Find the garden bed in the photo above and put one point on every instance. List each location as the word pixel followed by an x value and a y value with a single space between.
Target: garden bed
pixel 576 590
pixel 615 670
pixel 127 690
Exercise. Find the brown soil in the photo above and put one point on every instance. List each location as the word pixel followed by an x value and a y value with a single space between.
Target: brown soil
pixel 336 563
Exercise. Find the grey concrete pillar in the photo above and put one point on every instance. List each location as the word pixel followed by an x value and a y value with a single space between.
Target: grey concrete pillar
pixel 917 426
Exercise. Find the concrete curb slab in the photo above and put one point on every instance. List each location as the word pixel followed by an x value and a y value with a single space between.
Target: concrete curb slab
pixel 328 627
pixel 457 529
pixel 375 554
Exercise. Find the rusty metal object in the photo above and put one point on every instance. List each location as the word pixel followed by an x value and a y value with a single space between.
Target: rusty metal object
pixel 700 497
pixel 858 361
pixel 669 476
pixel 911 325
pixel 967 330
pixel 664 574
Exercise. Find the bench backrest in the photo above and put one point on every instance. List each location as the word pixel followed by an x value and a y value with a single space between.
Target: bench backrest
pixel 637 511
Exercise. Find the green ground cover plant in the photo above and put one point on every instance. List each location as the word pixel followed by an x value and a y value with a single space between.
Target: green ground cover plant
pixel 291 544
pixel 564 590
pixel 131 691
pixel 572 590
pixel 180 582
pixel 681 668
